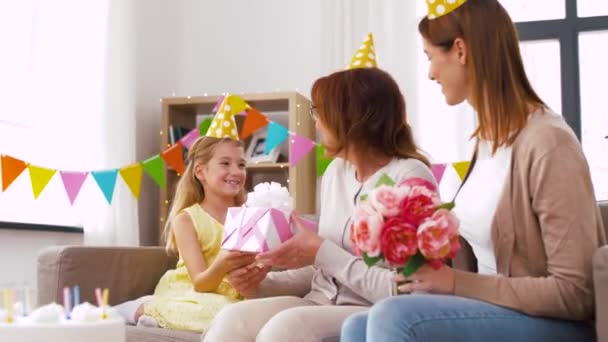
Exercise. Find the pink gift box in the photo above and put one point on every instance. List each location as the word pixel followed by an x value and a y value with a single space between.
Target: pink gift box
pixel 258 229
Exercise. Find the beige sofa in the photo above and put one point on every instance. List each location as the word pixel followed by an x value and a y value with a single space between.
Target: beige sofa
pixel 133 272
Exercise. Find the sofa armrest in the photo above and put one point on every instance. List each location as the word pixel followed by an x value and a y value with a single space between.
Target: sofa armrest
pixel 129 272
pixel 600 284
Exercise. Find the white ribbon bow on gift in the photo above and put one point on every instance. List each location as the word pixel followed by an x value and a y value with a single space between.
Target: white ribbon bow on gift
pixel 271 195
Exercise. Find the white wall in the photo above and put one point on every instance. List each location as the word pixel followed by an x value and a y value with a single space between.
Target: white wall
pixel 193 47
pixel 19 250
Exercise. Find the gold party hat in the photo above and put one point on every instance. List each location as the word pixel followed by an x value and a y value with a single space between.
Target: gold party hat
pixel 365 57
pixel 438 8
pixel 223 124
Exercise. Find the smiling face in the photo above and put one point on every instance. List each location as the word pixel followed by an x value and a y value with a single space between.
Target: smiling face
pixel 448 68
pixel 224 174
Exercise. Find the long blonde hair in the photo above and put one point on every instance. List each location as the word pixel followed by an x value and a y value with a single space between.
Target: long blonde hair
pixel 189 189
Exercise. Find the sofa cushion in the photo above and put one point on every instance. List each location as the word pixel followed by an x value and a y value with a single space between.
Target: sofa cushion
pixel 141 334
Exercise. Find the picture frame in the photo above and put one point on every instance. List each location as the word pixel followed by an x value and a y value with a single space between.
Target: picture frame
pixel 255 150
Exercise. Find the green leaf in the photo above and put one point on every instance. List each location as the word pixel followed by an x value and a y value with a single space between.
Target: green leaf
pixel 385 180
pixel 448 206
pixel 413 264
pixel 363 198
pixel 371 261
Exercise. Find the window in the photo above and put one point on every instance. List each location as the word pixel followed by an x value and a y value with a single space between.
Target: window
pixel 564 57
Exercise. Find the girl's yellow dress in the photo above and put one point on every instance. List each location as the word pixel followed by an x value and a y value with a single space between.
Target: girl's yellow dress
pixel 175 304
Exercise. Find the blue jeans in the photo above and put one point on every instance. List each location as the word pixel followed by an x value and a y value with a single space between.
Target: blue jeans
pixel 425 317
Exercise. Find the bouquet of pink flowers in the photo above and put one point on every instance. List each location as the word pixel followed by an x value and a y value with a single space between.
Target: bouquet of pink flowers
pixel 406 225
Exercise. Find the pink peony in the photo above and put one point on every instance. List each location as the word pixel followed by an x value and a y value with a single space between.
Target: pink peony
pixel 419 181
pixel 438 237
pixel 365 230
pixel 419 204
pixel 387 199
pixel 398 241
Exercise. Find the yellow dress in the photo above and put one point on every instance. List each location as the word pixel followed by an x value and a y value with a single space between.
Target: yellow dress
pixel 175 304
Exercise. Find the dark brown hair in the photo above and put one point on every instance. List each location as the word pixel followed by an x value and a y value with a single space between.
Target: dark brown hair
pixel 364 111
pixel 501 91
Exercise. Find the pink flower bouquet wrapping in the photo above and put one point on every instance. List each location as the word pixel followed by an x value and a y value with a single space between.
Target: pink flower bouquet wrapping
pixel 406 225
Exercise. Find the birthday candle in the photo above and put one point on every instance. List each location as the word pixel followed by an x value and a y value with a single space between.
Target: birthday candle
pixel 76 295
pixel 106 297
pixel 28 301
pixel 98 297
pixel 66 301
pixel 8 304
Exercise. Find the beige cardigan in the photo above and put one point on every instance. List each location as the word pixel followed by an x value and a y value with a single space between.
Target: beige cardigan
pixel 546 228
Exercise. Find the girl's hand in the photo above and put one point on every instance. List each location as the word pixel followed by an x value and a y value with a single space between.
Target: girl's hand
pixel 227 261
pixel 299 251
pixel 427 279
pixel 247 279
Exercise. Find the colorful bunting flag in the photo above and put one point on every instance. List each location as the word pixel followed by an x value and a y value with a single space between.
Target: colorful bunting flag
pixel 106 181
pixel 174 157
pixel 154 167
pixel 72 182
pixel 204 126
pixel 438 170
pixel 40 177
pixel 299 147
pixel 275 136
pixel 253 121
pixel 132 176
pixel 461 168
pixel 11 169
pixel 236 104
pixel 322 160
pixel 189 139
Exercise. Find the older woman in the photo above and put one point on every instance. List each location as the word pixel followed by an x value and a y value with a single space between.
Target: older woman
pixel 361 116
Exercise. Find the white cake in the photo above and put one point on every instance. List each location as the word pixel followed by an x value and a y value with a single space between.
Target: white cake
pixel 48 324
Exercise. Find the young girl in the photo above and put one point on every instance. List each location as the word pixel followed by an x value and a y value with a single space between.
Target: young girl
pixel 188 297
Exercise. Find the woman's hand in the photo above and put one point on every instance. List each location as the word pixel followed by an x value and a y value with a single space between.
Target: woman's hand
pixel 299 251
pixel 427 279
pixel 227 261
pixel 247 279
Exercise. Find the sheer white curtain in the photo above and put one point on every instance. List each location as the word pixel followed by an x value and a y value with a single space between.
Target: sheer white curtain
pixel 441 131
pixel 67 92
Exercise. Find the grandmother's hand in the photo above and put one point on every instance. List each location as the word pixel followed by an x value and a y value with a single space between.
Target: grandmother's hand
pixel 299 251
pixel 427 279
pixel 247 279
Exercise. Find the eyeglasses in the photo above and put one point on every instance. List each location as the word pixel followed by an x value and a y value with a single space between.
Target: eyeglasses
pixel 313 112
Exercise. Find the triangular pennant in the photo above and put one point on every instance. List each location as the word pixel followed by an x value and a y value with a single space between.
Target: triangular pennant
pixel 106 181
pixel 235 104
pixel 322 160
pixel 72 182
pixel 189 139
pixel 132 176
pixel 11 169
pixel 154 167
pixel 40 177
pixel 438 170
pixel 218 104
pixel 253 121
pixel 461 168
pixel 204 126
pixel 275 136
pixel 298 148
pixel 385 180
pixel 174 157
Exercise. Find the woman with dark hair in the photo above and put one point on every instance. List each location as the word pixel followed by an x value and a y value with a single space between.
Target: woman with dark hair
pixel 527 206
pixel 361 116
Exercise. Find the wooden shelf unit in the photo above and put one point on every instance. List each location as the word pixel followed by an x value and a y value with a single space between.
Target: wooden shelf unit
pixel 301 179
